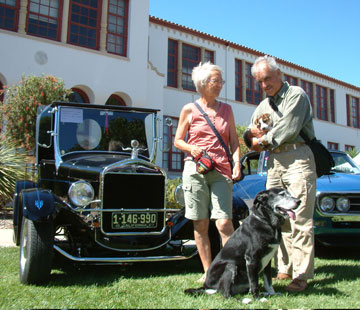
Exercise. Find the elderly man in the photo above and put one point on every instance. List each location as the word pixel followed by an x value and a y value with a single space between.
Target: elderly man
pixel 290 165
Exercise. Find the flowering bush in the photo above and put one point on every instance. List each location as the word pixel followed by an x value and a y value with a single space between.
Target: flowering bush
pixel 21 103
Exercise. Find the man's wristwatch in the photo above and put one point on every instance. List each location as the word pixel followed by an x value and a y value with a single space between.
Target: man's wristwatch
pixel 261 143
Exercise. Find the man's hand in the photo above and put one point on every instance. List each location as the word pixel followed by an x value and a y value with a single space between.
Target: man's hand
pixel 252 137
pixel 255 145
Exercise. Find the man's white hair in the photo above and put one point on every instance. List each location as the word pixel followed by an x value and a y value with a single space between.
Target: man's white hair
pixel 201 74
pixel 271 62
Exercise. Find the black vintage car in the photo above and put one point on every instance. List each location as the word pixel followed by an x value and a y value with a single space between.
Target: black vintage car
pixel 99 197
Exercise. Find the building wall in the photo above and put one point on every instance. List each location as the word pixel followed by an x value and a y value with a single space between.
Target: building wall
pixel 174 98
pixel 141 77
pixel 99 74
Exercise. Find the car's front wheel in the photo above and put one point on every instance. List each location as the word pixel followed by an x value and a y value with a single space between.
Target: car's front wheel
pixel 36 251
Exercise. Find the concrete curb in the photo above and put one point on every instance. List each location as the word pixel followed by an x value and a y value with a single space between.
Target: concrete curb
pixel 6 238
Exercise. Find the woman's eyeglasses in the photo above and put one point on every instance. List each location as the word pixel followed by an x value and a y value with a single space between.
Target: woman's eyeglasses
pixel 216 81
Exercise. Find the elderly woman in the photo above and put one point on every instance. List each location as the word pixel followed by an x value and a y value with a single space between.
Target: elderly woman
pixel 208 196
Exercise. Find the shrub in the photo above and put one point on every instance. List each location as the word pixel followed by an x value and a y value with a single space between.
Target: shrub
pixel 21 103
pixel 240 129
pixel 170 190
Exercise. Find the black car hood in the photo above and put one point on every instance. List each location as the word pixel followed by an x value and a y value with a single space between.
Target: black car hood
pixel 96 161
pixel 83 165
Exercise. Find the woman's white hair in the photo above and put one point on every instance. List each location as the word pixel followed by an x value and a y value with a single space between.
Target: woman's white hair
pixel 201 73
pixel 271 62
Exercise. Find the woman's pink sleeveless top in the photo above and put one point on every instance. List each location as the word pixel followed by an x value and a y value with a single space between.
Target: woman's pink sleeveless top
pixel 201 134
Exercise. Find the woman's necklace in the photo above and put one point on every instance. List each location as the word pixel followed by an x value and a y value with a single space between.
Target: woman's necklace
pixel 211 115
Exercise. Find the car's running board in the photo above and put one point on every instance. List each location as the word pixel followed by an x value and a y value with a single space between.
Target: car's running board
pixel 120 260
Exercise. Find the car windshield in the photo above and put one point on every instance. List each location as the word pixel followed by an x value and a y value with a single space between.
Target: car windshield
pixel 343 163
pixel 84 129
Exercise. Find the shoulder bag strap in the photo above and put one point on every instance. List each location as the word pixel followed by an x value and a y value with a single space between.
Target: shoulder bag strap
pixel 216 133
pixel 275 108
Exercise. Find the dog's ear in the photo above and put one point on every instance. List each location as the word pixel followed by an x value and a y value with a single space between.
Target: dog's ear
pixel 261 198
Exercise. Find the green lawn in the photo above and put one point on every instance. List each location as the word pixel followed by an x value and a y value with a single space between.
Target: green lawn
pixel 161 285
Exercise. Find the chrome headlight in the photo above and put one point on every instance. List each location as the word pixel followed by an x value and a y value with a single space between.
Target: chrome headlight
pixel 343 204
pixel 179 195
pixel 81 193
pixel 327 204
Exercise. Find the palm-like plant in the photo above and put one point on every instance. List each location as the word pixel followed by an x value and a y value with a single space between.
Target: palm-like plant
pixel 12 168
pixel 352 152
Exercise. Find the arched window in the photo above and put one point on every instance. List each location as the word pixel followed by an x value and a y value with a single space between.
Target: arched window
pixel 79 96
pixel 115 100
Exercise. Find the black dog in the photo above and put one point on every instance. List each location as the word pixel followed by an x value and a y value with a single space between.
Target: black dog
pixel 250 248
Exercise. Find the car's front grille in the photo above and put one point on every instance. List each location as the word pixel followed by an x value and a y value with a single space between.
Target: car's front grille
pixel 354 204
pixel 134 193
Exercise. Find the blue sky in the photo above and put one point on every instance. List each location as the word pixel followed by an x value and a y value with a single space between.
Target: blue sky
pixel 322 35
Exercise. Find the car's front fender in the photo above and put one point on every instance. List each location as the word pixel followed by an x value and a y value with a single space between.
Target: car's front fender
pixel 17 207
pixel 37 204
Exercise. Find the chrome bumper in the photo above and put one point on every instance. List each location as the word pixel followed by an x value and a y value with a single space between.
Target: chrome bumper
pixel 120 260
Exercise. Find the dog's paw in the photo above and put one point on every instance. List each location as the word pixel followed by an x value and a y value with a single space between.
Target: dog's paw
pixel 210 291
pixel 246 301
pixel 263 300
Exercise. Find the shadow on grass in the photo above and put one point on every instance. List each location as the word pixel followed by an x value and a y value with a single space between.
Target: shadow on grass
pixel 336 265
pixel 66 273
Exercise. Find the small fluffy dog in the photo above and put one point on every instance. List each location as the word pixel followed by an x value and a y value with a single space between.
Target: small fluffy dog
pixel 264 122
pixel 250 248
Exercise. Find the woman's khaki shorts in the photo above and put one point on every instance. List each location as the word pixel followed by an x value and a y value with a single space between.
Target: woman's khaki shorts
pixel 206 196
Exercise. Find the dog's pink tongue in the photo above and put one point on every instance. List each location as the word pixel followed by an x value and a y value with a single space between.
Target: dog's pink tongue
pixel 291 214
